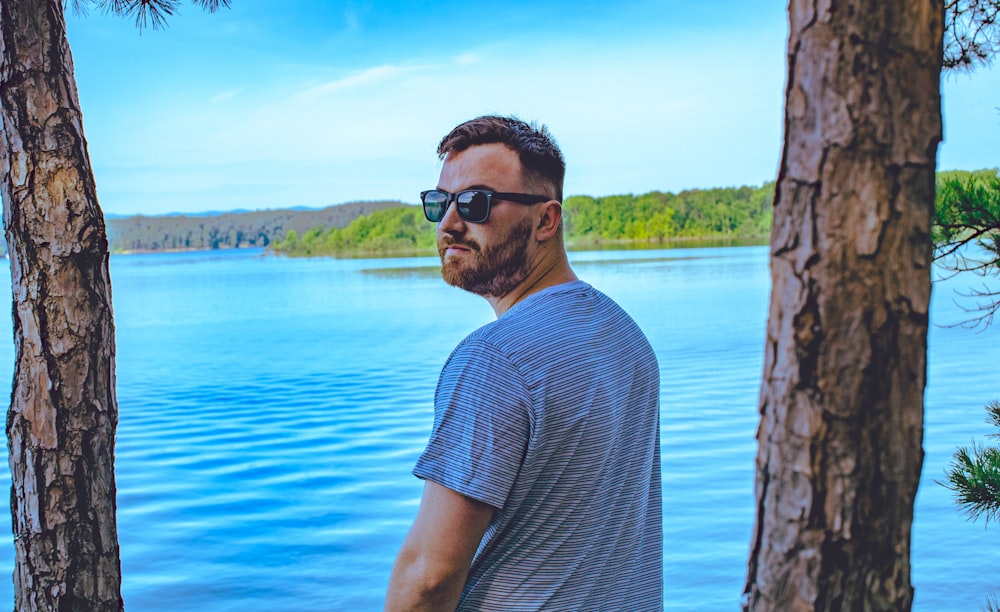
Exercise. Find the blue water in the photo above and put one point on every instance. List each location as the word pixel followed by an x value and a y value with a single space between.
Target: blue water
pixel 271 410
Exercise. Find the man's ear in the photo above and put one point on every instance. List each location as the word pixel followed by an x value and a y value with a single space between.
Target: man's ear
pixel 549 221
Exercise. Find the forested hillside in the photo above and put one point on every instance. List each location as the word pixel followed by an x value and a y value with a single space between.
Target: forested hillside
pixel 393 231
pixel 393 228
pixel 227 230
pixel 735 212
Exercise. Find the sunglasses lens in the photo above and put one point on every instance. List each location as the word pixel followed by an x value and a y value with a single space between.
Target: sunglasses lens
pixel 474 206
pixel 435 203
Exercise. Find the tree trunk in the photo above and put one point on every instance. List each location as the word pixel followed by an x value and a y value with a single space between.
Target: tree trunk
pixel 63 412
pixel 845 359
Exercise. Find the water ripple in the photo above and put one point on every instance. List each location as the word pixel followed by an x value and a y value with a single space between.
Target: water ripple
pixel 271 411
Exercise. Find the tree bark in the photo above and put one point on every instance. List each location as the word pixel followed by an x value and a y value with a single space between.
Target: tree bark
pixel 841 403
pixel 63 413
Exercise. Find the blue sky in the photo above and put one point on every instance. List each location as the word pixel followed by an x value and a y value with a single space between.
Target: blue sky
pixel 317 102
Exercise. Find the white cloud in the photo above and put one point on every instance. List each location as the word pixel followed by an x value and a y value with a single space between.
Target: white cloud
pixel 468 59
pixel 359 79
pixel 225 95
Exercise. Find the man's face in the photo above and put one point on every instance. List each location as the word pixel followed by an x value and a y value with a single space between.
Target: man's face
pixel 492 258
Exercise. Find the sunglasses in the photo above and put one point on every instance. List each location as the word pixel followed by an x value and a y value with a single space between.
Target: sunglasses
pixel 473 204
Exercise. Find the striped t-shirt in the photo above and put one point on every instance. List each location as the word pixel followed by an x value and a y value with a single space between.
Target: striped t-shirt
pixel 551 415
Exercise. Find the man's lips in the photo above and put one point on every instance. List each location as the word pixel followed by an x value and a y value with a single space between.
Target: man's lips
pixel 455 247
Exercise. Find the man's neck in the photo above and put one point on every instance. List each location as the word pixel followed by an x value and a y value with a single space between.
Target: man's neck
pixel 548 273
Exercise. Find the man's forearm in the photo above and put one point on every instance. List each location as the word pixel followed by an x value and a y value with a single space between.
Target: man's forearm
pixel 434 561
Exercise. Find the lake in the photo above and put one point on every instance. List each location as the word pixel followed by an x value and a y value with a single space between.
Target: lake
pixel 271 410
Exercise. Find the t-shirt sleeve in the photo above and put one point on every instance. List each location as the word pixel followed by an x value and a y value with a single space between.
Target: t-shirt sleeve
pixel 481 425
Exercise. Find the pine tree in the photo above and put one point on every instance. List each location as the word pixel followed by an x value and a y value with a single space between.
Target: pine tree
pixel 63 411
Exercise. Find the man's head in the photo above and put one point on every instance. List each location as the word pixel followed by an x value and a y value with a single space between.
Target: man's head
pixel 497 205
pixel 542 164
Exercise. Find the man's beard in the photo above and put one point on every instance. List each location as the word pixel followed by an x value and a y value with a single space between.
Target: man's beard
pixel 494 271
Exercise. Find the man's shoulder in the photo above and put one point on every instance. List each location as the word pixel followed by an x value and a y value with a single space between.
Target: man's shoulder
pixel 548 305
pixel 555 317
pixel 555 301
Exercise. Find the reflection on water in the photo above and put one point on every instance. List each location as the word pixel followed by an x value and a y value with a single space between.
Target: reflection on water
pixel 404 273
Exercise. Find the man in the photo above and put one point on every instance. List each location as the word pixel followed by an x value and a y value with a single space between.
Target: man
pixel 542 472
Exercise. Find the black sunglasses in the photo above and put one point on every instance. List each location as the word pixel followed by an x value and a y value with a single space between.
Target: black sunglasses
pixel 473 204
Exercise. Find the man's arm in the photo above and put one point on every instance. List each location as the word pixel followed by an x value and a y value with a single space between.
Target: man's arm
pixel 432 566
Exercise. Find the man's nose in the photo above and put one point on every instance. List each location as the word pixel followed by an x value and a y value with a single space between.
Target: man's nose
pixel 451 222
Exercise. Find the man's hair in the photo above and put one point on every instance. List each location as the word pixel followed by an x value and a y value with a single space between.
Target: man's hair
pixel 540 156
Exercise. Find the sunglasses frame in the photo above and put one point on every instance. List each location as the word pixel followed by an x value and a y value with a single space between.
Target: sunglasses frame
pixel 463 210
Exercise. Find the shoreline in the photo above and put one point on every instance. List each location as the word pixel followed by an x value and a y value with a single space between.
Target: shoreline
pixel 571 245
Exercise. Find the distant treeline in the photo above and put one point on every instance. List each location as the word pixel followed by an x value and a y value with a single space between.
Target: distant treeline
pixel 227 230
pixel 736 212
pixel 394 228
pixel 393 231
pixel 733 212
